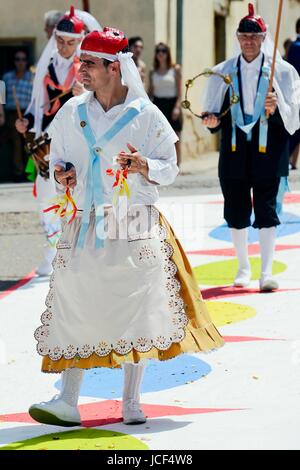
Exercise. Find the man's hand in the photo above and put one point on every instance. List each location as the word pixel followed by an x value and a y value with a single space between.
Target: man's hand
pixel 134 161
pixel 22 125
pixel 271 102
pixel 66 178
pixel 176 113
pixel 210 120
pixel 78 88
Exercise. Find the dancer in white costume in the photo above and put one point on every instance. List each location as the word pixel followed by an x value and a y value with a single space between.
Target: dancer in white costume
pixel 254 149
pixel 56 73
pixel 130 295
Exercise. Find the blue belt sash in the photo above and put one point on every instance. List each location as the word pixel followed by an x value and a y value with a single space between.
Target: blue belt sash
pixel 94 187
pixel 259 111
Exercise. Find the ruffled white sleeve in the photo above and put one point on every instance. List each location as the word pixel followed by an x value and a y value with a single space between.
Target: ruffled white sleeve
pixel 57 150
pixel 160 151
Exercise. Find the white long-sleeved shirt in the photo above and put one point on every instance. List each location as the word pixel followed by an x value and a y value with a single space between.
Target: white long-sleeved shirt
pixel 149 132
pixel 62 66
pixel 250 72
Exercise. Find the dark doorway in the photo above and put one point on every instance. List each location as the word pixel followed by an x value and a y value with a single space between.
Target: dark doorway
pixel 8 48
pixel 220 38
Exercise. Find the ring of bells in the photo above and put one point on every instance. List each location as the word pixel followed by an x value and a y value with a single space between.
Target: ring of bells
pixel 186 104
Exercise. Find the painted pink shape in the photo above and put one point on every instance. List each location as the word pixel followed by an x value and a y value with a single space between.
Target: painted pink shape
pixel 289 198
pixel 241 339
pixel 221 292
pixel 109 412
pixel 253 250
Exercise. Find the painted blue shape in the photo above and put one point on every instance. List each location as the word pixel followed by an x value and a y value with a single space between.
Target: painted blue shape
pixel 290 224
pixel 107 383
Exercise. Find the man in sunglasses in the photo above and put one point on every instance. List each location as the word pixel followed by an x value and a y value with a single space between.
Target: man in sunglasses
pixel 254 150
pixel 21 78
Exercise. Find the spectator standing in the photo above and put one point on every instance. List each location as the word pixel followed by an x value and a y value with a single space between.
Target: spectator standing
pixel 165 89
pixel 286 46
pixel 136 46
pixel 51 18
pixel 293 58
pixel 21 78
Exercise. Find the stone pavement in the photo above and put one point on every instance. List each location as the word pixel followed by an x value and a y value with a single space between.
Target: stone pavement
pixel 244 396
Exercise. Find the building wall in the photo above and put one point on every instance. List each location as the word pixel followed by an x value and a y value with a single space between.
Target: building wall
pixel 155 20
pixel 135 17
pixel 199 53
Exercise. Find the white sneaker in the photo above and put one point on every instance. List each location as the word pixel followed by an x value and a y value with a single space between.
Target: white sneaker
pixel 132 414
pixel 45 268
pixel 56 412
pixel 268 284
pixel 242 278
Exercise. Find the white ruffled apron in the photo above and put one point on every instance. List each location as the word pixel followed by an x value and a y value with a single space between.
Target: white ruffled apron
pixel 124 296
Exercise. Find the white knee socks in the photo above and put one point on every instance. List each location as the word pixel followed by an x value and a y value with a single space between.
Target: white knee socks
pixel 240 242
pixel 70 388
pixel 133 376
pixel 267 239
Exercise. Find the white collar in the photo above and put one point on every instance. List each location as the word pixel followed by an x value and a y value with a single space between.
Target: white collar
pixel 255 64
pixel 131 101
pixel 62 61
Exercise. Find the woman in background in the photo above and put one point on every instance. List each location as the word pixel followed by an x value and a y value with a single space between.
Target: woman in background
pixel 165 89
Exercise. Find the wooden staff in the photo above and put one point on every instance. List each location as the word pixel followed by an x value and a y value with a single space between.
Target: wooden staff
pixel 18 107
pixel 279 15
pixel 86 5
pixel 57 97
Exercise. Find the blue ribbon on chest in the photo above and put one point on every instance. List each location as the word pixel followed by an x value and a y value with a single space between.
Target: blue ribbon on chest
pixel 94 186
pixel 247 123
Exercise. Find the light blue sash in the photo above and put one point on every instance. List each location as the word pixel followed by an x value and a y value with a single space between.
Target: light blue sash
pixel 258 114
pixel 283 188
pixel 94 187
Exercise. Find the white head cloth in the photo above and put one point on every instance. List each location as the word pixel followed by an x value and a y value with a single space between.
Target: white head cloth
pixel 129 72
pixel 38 97
pixel 286 84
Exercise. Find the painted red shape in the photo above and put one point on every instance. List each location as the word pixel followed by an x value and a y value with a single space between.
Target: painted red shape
pixel 289 198
pixel 16 286
pixel 241 339
pixel 109 412
pixel 253 250
pixel 221 292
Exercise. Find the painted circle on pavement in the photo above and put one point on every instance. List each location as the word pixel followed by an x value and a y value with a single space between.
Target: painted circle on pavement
pixel 222 273
pixel 108 383
pixel 290 224
pixel 82 439
pixel 225 313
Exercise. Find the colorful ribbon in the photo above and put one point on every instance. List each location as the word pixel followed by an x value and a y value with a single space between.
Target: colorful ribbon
pixel 120 184
pixel 61 205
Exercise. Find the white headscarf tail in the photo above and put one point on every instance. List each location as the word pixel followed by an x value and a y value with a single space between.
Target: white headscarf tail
pixel 130 75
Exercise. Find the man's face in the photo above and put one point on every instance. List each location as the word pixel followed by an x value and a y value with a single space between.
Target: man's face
pixel 93 74
pixel 250 44
pixel 20 61
pixel 137 49
pixel 66 46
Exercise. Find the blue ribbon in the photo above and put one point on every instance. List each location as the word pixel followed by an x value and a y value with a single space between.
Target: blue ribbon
pixel 94 187
pixel 283 188
pixel 258 114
